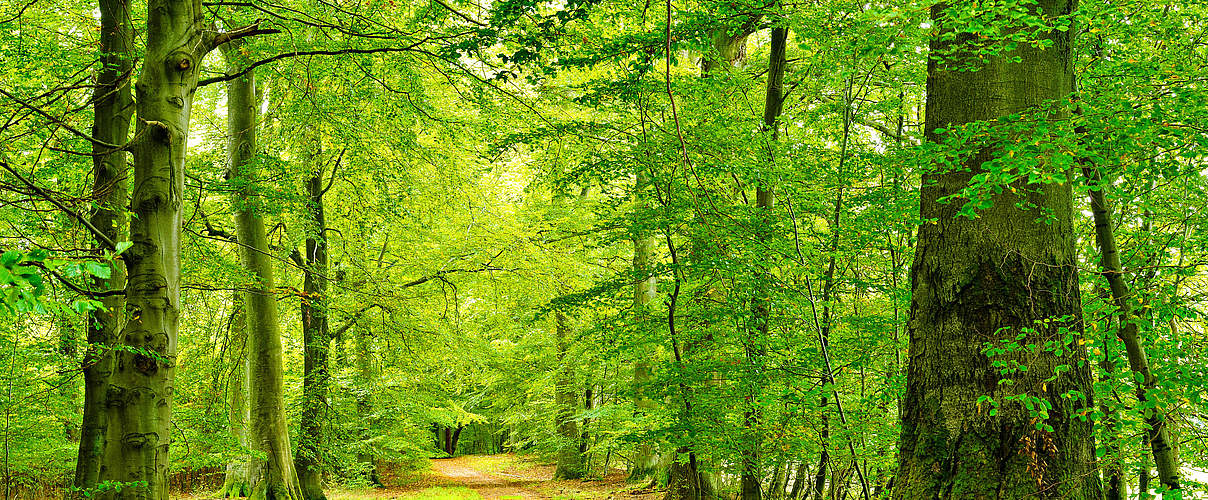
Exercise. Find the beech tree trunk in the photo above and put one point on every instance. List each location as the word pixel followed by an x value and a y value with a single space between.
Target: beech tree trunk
pixel 272 476
pixel 757 334
pixel 235 483
pixel 569 460
pixel 139 396
pixel 113 107
pixel 993 277
pixel 364 397
pixel 316 339
pixel 686 480
pixel 646 454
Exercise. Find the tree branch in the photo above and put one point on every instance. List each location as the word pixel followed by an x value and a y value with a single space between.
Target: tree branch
pixel 244 32
pixel 300 53
pixel 100 236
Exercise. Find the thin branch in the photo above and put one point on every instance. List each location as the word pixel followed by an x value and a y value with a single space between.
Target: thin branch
pixel 459 14
pixel 300 53
pixel 108 242
pixel 59 122
pixel 334 168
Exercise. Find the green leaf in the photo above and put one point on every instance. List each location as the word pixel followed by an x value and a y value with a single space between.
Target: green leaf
pixel 99 270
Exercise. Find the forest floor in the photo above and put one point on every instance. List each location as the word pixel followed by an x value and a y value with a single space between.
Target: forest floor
pixel 497 477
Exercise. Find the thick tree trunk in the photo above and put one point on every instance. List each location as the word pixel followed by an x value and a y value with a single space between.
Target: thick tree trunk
pixel 687 481
pixel 569 460
pixel 139 397
pixel 271 477
pixel 316 339
pixel 990 278
pixel 235 483
pixel 113 107
pixel 799 481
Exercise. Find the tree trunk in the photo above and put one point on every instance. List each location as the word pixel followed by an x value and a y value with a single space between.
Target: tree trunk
pixel 687 481
pixel 271 477
pixel 1143 473
pixel 139 396
pixel 757 333
pixel 113 107
pixel 235 483
pixel 569 460
pixel 316 339
pixel 799 481
pixel 1165 456
pixel 646 454
pixel 364 397
pixel 993 277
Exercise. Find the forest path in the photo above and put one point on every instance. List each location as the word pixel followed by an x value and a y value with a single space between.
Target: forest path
pixel 461 471
pixel 495 477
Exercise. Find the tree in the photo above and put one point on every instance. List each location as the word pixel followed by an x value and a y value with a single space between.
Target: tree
pixel 316 339
pixel 272 476
pixel 139 396
pixel 113 107
pixel 570 462
pixel 997 278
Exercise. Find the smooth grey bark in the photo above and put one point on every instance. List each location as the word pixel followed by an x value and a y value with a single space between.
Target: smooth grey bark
pixel 113 108
pixel 1165 455
pixel 139 396
pixel 316 338
pixel 271 476
pixel 996 276
pixel 235 482
pixel 570 464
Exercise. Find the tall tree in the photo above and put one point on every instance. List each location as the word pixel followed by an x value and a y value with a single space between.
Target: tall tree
pixel 646 455
pixel 272 476
pixel 998 275
pixel 234 483
pixel 570 463
pixel 316 339
pixel 113 107
pixel 1165 455
pixel 757 335
pixel 139 397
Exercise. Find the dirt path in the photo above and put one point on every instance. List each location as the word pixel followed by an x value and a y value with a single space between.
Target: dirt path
pixel 458 472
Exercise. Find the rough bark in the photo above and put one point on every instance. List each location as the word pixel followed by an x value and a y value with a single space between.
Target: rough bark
pixel 235 482
pixel 316 338
pixel 113 107
pixel 799 481
pixel 993 277
pixel 272 475
pixel 569 460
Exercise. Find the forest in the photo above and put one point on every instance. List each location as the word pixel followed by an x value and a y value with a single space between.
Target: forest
pixel 602 249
